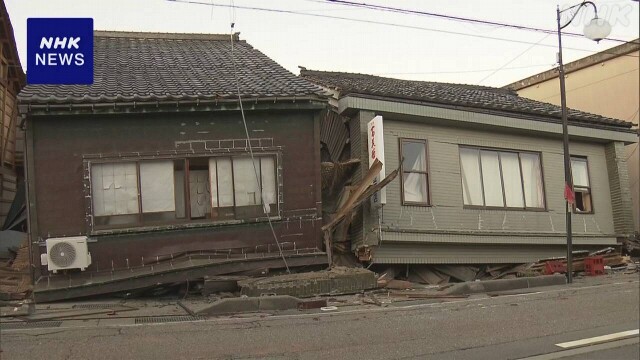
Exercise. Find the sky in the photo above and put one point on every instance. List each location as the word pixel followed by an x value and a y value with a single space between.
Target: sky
pixel 321 35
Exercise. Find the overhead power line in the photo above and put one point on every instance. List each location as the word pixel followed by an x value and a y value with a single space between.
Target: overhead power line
pixel 282 11
pixel 464 71
pixel 452 18
pixel 512 60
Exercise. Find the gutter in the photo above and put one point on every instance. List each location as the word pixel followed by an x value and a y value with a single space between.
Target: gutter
pixel 26 108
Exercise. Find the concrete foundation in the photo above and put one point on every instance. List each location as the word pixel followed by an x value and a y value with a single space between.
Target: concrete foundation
pixel 337 281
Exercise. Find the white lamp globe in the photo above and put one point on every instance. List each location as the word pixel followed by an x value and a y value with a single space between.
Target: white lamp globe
pixel 597 29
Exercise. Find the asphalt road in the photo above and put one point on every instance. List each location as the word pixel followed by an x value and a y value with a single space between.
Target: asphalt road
pixel 503 327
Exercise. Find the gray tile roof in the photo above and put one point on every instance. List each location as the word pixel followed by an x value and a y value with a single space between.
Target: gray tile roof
pixel 472 96
pixel 157 67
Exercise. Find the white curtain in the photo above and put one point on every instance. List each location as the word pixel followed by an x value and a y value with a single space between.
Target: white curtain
pixel 470 172
pixel 268 178
pixel 114 189
pixel 247 189
pixel 157 186
pixel 532 180
pixel 580 172
pixel 415 184
pixel 491 178
pixel 221 182
pixel 512 181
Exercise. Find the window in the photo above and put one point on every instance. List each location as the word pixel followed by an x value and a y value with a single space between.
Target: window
pixel 133 193
pixel 581 185
pixel 415 177
pixel 501 179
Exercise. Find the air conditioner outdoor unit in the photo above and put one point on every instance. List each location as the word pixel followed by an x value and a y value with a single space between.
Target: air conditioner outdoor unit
pixel 67 253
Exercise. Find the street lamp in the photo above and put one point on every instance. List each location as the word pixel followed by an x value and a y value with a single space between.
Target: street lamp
pixel 597 29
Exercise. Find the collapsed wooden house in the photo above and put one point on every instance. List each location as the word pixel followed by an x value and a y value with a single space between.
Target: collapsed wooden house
pixel 148 176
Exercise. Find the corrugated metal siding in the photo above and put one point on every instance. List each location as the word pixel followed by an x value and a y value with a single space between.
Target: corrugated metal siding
pixel 356 138
pixel 334 133
pixel 620 192
pixel 467 253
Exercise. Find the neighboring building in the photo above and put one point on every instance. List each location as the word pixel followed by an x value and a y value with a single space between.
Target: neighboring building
pixel 482 180
pixel 607 84
pixel 12 79
pixel 151 162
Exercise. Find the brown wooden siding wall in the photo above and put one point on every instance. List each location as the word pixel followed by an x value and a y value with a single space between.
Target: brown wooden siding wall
pixel 334 133
pixel 8 131
pixel 59 144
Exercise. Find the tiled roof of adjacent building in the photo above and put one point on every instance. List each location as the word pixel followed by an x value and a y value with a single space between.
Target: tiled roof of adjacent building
pixel 472 96
pixel 169 67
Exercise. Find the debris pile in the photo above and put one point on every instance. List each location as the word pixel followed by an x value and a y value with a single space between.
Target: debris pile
pixel 411 276
pixel 15 277
pixel 611 257
pixel 399 277
pixel 631 246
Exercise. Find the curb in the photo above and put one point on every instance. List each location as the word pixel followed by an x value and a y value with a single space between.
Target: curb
pixel 475 287
pixel 250 304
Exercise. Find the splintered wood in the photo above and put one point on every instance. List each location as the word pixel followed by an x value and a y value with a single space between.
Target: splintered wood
pixel 335 231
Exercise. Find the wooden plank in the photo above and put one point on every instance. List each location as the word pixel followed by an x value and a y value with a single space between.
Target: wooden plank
pixel 13 116
pixel 362 192
pixel 3 139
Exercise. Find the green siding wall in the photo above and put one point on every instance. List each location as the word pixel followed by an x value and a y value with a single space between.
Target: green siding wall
pixel 446 190
pixel 430 225
pixel 465 253
pixel 620 188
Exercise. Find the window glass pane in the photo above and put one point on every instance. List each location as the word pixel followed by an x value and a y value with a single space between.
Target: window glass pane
pixel 414 156
pixel 268 172
pixel 247 191
pixel 415 188
pixel 470 172
pixel 491 178
pixel 114 189
pixel 221 182
pixel 583 201
pixel 532 180
pixel 580 172
pixel 511 178
pixel 157 186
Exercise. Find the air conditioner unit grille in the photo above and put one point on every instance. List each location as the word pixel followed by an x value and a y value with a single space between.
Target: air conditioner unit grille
pixel 62 254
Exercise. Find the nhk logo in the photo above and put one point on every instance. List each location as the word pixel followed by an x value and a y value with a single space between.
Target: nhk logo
pixel 60 51
pixel 55 58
